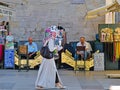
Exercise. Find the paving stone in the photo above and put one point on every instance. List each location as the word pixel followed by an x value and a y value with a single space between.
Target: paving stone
pixel 90 80
pixel 4 86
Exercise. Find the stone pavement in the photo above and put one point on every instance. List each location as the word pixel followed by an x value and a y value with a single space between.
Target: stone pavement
pixel 88 80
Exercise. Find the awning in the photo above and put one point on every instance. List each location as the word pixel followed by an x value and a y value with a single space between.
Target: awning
pixel 5 10
pixel 113 7
pixel 4 4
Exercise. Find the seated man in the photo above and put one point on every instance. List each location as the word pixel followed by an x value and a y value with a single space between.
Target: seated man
pixel 84 54
pixel 32 48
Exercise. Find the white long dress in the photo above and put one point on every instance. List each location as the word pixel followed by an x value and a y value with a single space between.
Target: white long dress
pixel 47 71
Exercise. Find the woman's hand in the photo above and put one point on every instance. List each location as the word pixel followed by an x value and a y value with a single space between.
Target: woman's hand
pixel 46 41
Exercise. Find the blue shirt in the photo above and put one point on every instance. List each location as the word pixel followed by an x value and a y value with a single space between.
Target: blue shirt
pixel 32 47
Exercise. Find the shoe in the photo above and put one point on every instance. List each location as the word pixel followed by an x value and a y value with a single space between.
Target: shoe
pixel 39 88
pixel 63 87
pixel 60 86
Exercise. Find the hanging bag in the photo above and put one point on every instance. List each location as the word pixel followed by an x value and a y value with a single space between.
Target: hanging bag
pixel 46 53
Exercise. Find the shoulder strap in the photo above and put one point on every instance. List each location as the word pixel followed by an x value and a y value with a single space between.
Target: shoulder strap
pixel 46 43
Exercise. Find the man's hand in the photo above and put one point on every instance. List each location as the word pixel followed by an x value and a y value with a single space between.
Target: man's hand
pixel 31 54
pixel 82 55
pixel 78 53
pixel 86 49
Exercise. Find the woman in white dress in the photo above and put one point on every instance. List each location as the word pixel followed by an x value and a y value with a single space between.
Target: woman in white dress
pixel 48 76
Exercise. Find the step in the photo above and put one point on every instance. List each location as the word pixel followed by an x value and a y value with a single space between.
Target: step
pixel 113 75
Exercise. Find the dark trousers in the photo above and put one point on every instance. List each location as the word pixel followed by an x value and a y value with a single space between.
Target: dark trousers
pixel 56 79
pixel 58 61
pixel 85 57
pixel 25 56
pixel 32 57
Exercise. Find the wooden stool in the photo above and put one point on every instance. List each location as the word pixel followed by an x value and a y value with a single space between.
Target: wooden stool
pixel 23 51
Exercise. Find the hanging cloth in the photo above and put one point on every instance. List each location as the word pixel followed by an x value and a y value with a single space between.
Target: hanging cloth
pixel 117 50
pixel 114 51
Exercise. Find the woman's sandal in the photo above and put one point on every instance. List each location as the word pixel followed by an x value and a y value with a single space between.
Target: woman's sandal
pixel 63 87
pixel 60 86
pixel 39 88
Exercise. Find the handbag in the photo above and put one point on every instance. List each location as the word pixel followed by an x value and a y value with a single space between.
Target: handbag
pixel 46 53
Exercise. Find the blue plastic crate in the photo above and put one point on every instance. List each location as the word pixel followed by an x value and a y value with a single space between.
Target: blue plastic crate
pixel 9 59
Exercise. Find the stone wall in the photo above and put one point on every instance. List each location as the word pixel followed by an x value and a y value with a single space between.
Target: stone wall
pixel 33 16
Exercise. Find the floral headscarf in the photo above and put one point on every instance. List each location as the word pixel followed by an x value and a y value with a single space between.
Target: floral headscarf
pixel 48 32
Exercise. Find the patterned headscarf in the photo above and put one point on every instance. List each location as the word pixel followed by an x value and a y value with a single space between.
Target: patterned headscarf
pixel 48 32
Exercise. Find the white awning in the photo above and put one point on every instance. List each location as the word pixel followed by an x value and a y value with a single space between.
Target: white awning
pixel 5 11
pixel 113 7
